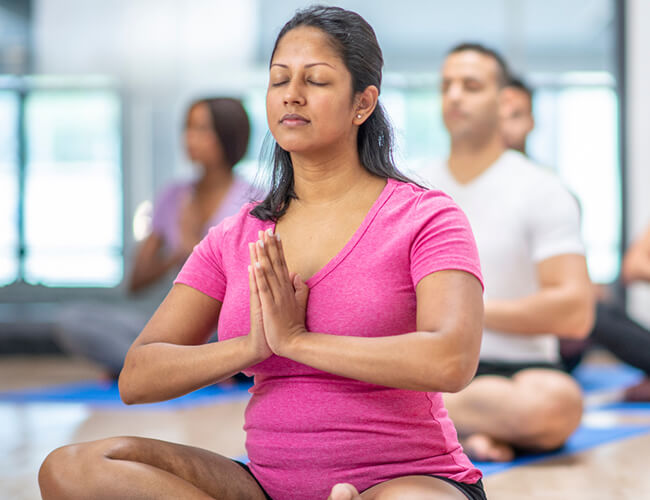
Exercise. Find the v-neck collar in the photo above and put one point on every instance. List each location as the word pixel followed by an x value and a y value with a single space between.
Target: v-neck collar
pixel 356 237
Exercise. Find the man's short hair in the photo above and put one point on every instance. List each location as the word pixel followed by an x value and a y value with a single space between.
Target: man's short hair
pixel 519 84
pixel 503 76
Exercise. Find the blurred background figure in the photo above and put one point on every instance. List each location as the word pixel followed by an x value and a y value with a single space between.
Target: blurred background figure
pixel 517 119
pixel 613 329
pixel 537 289
pixel 216 134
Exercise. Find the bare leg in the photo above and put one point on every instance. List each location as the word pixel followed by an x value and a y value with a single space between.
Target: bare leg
pixel 140 468
pixel 536 409
pixel 401 488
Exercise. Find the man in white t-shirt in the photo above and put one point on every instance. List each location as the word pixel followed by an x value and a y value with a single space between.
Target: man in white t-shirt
pixel 527 229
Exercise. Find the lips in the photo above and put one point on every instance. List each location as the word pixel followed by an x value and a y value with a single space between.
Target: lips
pixel 294 120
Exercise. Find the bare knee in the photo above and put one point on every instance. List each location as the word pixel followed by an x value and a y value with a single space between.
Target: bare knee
pixel 57 471
pixel 66 470
pixel 550 412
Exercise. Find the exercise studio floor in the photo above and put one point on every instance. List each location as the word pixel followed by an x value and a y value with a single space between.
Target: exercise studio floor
pixel 46 402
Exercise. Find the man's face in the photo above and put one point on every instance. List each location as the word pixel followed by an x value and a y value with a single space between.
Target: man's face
pixel 516 118
pixel 470 95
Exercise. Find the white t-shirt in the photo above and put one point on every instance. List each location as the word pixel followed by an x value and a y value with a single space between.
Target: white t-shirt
pixel 521 215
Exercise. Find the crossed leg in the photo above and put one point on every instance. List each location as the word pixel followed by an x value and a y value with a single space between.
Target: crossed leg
pixel 141 468
pixel 536 409
pixel 401 488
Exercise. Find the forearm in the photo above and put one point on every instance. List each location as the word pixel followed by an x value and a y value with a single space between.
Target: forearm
pixel 144 275
pixel 159 371
pixel 564 313
pixel 636 268
pixel 420 361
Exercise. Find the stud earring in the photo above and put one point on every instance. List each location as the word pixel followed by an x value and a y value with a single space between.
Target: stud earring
pixel 359 117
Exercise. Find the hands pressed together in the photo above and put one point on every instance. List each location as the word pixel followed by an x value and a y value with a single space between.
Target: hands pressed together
pixel 278 298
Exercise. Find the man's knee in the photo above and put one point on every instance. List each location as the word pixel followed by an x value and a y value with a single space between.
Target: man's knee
pixel 553 410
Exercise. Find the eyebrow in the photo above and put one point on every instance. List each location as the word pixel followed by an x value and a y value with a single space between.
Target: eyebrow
pixel 306 65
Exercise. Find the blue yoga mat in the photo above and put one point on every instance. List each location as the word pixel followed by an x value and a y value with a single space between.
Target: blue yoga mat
pixel 583 439
pixel 606 377
pixel 106 394
pixel 591 378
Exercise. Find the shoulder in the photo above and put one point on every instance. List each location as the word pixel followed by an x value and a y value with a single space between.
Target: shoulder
pixel 420 205
pixel 518 166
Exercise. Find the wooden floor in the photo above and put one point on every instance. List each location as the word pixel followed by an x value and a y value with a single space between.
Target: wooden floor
pixel 616 471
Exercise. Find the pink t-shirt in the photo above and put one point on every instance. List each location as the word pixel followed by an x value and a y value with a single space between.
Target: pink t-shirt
pixel 307 429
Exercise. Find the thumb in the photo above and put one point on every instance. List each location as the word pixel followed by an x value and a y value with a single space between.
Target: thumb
pixel 302 290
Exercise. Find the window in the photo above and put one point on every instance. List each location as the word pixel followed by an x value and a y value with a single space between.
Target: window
pixel 8 187
pixel 71 198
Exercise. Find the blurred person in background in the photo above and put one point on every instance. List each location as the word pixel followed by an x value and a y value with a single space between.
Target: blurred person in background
pixel 613 329
pixel 216 133
pixel 537 289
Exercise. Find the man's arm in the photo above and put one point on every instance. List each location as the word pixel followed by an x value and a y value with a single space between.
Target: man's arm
pixel 564 304
pixel 636 262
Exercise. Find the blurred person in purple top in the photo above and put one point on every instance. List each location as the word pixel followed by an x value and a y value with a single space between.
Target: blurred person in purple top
pixel 216 133
pixel 353 323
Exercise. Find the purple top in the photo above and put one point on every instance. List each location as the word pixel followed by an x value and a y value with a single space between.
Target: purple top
pixel 167 208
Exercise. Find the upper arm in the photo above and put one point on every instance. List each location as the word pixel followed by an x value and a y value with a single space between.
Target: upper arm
pixel 564 271
pixel 185 317
pixel 450 304
pixel 450 301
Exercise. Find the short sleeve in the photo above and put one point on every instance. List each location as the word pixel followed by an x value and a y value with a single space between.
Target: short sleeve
pixel 204 270
pixel 443 238
pixel 554 223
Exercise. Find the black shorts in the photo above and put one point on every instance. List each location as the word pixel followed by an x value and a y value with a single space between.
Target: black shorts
pixel 472 491
pixel 503 369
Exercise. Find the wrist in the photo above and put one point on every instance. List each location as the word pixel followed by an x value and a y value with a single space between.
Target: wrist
pixel 293 343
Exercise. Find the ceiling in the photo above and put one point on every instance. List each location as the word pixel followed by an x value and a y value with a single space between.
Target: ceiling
pixel 535 35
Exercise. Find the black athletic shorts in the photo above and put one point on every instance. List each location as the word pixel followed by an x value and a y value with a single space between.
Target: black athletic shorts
pixel 509 369
pixel 473 491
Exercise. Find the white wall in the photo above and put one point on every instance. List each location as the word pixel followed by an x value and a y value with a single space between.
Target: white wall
pixel 638 141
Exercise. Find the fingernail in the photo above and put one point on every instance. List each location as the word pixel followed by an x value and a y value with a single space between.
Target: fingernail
pixel 258 265
pixel 260 243
pixel 250 268
pixel 277 236
pixel 269 231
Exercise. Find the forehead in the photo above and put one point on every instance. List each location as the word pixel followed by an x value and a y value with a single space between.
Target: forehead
pixel 304 44
pixel 470 64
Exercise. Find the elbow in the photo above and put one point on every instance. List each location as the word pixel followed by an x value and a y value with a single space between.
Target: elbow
pixel 459 375
pixel 126 384
pixel 127 395
pixel 459 367
pixel 579 322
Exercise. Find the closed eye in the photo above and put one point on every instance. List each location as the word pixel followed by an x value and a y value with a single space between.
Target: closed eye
pixel 277 84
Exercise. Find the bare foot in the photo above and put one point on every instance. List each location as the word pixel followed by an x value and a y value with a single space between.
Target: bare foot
pixel 639 393
pixel 484 448
pixel 344 491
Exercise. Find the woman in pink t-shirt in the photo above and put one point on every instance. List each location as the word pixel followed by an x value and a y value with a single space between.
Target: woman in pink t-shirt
pixel 353 323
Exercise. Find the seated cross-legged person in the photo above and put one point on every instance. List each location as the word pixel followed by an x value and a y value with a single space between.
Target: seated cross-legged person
pixel 351 294
pixel 537 288
pixel 614 329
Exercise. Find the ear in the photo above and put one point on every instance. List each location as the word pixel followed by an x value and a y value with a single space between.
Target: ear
pixel 365 103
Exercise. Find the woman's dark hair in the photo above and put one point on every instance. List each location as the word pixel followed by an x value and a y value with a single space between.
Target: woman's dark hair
pixel 355 41
pixel 230 123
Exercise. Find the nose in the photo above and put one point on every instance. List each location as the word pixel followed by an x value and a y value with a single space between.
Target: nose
pixel 454 92
pixel 294 93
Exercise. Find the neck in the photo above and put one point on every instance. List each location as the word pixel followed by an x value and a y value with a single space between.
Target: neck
pixel 469 159
pixel 213 178
pixel 321 181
